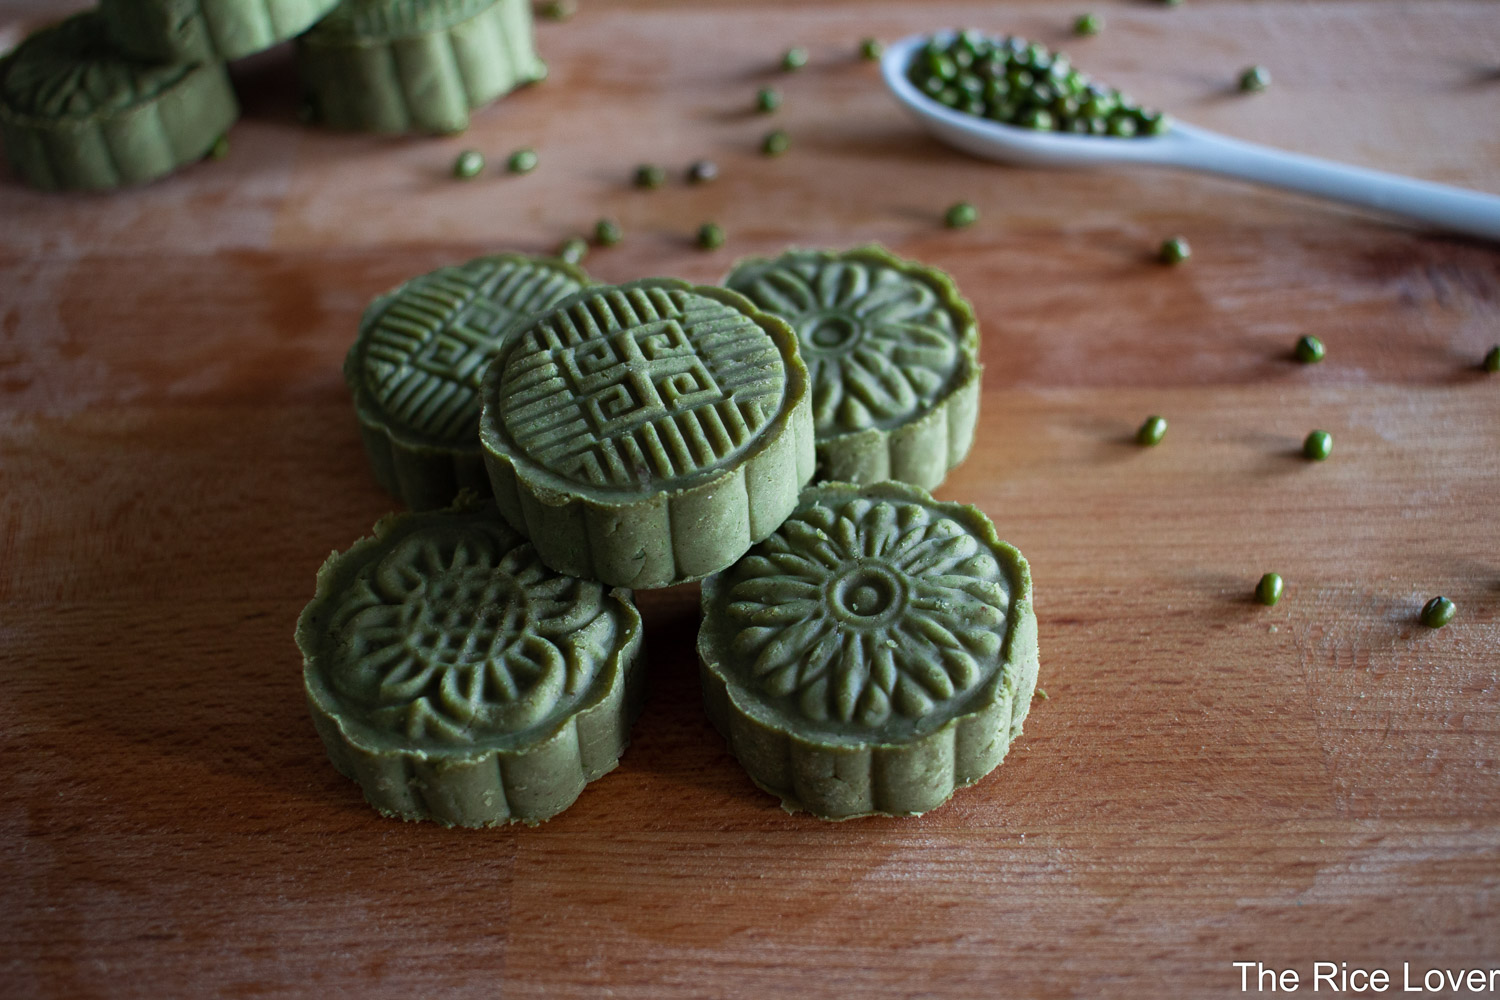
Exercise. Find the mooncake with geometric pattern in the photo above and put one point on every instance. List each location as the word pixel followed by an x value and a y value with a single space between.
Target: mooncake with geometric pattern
pixel 647 434
pixel 415 368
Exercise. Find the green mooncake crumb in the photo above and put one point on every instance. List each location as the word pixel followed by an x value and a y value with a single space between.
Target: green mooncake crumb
pixel 573 249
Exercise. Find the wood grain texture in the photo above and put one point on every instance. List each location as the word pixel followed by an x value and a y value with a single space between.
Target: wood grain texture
pixel 1210 781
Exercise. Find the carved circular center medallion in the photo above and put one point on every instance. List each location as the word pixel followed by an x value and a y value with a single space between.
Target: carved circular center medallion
pixel 868 594
pixel 639 387
pixel 828 332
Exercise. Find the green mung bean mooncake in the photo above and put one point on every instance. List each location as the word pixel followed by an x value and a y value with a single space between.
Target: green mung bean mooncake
pixel 892 351
pixel 77 114
pixel 649 433
pixel 415 368
pixel 457 679
pixel 874 654
pixel 207 30
pixel 415 65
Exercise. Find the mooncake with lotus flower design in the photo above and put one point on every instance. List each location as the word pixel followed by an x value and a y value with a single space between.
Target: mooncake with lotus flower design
pixel 873 655
pixel 891 349
pixel 458 679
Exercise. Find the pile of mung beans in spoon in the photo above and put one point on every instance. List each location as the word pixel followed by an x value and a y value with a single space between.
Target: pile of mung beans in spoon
pixel 1017 82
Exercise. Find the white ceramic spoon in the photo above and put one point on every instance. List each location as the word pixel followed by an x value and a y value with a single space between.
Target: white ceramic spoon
pixel 1191 148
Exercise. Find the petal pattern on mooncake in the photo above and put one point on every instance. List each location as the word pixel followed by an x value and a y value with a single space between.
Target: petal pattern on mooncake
pixel 891 349
pixel 874 654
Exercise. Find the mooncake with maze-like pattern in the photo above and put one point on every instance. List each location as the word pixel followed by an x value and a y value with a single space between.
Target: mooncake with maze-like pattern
pixel 649 433
pixel 415 368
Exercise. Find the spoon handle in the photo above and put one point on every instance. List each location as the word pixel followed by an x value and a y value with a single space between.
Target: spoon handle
pixel 1441 205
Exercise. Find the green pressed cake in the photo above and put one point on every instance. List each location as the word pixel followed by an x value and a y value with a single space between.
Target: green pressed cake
pixel 207 30
pixel 457 679
pixel 873 655
pixel 415 65
pixel 76 113
pixel 649 433
pixel 415 368
pixel 891 349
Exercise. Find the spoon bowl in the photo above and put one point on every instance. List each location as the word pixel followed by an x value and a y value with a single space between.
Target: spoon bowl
pixel 1190 148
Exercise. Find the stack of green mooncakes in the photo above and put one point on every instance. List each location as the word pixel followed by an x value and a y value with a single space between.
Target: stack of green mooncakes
pixel 865 649
pixel 133 89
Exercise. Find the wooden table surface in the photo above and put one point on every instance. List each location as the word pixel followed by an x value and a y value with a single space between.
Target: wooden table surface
pixel 1211 781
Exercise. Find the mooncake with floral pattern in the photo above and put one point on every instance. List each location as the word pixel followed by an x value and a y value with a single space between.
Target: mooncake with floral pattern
pixel 873 655
pixel 457 679
pixel 892 352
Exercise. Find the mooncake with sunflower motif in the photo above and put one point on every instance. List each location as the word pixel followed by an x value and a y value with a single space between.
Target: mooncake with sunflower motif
pixel 76 113
pixel 873 655
pixel 415 368
pixel 647 434
pixel 458 679
pixel 892 351
pixel 415 65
